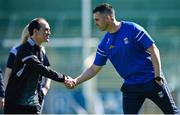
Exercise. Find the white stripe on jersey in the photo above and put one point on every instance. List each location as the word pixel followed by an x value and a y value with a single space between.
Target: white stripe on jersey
pixel 100 50
pixel 101 54
pixel 19 73
pixel 31 56
pixel 141 37
pixel 138 34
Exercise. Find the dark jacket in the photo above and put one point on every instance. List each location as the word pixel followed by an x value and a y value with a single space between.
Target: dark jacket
pixel 27 69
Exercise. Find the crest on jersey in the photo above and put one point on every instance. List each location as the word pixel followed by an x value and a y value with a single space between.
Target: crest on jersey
pixel 126 41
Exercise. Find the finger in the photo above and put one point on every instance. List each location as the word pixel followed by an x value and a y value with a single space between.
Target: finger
pixel 69 85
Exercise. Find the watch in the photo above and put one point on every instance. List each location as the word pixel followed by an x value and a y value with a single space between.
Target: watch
pixel 158 78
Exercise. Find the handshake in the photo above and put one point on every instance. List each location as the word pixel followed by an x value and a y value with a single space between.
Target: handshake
pixel 69 82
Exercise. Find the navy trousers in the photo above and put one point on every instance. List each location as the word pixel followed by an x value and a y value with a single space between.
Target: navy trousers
pixel 10 108
pixel 135 95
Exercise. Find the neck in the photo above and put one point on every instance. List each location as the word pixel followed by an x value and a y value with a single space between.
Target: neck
pixel 38 43
pixel 114 27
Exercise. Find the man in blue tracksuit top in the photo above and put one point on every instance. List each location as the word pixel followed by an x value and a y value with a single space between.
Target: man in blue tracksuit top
pixel 135 57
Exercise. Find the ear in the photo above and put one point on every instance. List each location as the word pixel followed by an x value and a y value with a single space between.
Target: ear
pixel 35 31
pixel 108 18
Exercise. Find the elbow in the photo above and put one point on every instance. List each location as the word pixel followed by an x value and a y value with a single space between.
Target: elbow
pixel 95 68
pixel 47 87
pixel 157 50
pixel 153 49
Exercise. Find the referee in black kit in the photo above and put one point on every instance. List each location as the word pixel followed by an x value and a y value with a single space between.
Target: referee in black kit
pixel 21 93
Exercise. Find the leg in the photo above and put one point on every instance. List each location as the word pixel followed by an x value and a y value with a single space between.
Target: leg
pixel 132 103
pixel 41 100
pixel 133 98
pixel 163 99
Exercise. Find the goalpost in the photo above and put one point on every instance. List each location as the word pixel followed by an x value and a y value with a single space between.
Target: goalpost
pixel 93 103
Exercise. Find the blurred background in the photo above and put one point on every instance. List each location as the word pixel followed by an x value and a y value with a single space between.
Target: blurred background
pixel 74 39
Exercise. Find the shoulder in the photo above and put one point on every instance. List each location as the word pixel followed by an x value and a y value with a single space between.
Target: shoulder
pixel 133 26
pixel 129 24
pixel 14 49
pixel 25 46
pixel 24 49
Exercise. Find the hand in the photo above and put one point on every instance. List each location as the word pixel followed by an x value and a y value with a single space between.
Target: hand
pixel 1 102
pixel 159 82
pixel 44 90
pixel 69 82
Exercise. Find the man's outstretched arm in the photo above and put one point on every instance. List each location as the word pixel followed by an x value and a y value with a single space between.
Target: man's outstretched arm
pixel 86 75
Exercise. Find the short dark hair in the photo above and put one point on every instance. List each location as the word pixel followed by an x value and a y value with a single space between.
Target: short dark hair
pixel 104 8
pixel 34 24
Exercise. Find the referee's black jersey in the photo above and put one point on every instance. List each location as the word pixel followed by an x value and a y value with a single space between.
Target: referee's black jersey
pixel 26 71
pixel 45 61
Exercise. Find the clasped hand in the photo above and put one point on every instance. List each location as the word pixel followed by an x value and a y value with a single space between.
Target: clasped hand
pixel 69 82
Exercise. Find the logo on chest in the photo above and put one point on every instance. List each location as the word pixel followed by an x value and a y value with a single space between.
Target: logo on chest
pixel 111 47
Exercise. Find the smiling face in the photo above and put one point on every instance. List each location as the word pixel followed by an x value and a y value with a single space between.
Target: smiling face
pixel 39 30
pixel 44 32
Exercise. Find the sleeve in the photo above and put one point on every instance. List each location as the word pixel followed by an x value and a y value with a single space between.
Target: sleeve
pixel 32 62
pixel 143 37
pixel 12 56
pixel 10 61
pixel 101 56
